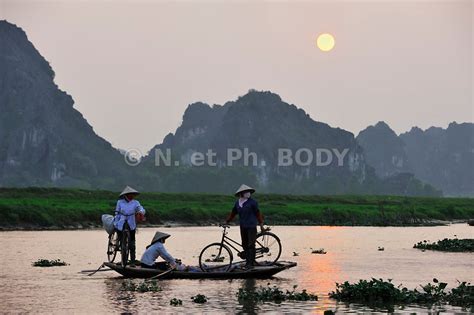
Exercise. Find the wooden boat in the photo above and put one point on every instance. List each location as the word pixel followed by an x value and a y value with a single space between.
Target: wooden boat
pixel 258 272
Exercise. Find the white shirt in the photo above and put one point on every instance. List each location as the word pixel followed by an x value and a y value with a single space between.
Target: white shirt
pixel 242 200
pixel 125 211
pixel 154 251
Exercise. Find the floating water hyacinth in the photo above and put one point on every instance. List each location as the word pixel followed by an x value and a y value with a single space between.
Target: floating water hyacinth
pixel 318 251
pixel 176 302
pixel 380 293
pixel 199 298
pixel 49 263
pixel 144 286
pixel 448 245
pixel 275 294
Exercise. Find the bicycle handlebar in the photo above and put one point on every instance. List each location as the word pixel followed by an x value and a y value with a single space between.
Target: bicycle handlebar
pixel 227 226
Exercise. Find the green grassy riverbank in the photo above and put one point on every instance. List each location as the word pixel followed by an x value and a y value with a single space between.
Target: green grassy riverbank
pixel 33 208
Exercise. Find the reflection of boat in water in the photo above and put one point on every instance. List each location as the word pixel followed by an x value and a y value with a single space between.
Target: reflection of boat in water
pixel 258 272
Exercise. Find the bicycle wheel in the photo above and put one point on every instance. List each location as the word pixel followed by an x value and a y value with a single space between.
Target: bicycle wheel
pixel 215 256
pixel 267 249
pixel 112 246
pixel 125 246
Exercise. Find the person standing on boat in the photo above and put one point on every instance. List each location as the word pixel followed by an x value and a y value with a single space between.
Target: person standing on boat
pixel 125 211
pixel 249 217
pixel 157 249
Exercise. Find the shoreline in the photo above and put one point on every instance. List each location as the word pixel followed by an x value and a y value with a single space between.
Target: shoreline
pixel 175 224
pixel 72 209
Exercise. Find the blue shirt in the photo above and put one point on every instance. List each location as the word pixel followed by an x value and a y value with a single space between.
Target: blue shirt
pixel 154 251
pixel 125 211
pixel 247 213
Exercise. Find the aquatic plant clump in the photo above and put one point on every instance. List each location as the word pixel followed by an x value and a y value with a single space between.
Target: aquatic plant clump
pixel 275 294
pixel 199 298
pixel 373 292
pixel 320 251
pixel 462 296
pixel 144 286
pixel 380 293
pixel 49 263
pixel 176 302
pixel 448 245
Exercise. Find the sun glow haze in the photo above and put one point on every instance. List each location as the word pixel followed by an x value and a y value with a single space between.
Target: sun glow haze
pixel 326 42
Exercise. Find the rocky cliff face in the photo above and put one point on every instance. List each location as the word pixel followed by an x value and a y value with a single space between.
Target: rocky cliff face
pixel 43 139
pixel 263 124
pixel 443 158
pixel 384 150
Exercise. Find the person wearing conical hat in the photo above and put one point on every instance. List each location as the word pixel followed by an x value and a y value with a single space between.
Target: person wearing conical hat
pixel 157 249
pixel 126 209
pixel 249 216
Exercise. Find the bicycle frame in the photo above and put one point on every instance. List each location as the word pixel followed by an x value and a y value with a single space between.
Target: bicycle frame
pixel 228 246
pixel 229 242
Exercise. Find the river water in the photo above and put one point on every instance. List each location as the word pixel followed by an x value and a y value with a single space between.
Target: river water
pixel 352 254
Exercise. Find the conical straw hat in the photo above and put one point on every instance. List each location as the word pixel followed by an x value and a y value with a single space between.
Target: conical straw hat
pixel 243 188
pixel 128 190
pixel 158 236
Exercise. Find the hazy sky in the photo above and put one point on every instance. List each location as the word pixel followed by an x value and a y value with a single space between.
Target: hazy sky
pixel 132 67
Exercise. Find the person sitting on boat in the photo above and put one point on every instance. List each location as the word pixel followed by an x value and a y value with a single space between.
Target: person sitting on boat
pixel 249 216
pixel 157 249
pixel 125 211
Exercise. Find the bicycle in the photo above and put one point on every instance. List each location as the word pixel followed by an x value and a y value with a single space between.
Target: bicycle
pixel 113 246
pixel 125 244
pixel 219 255
pixel 122 244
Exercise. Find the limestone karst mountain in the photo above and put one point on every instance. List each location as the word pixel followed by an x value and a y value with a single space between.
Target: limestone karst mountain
pixel 444 158
pixel 262 123
pixel 44 141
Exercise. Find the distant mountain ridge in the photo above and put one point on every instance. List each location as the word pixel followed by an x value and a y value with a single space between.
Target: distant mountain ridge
pixel 441 157
pixel 44 141
pixel 262 123
pixel 384 150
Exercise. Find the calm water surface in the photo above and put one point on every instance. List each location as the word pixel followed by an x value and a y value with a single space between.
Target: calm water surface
pixel 352 255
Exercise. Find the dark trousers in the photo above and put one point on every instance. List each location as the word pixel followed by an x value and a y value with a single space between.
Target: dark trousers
pixel 162 265
pixel 249 236
pixel 132 245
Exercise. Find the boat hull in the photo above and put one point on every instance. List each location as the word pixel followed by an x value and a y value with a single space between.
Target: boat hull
pixel 259 272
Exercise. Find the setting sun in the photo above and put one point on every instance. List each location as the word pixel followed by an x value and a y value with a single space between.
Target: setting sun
pixel 325 42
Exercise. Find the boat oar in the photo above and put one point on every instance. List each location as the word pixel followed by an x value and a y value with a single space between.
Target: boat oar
pixel 92 272
pixel 162 274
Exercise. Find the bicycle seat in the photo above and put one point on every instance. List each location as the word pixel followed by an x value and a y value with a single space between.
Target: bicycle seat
pixel 225 226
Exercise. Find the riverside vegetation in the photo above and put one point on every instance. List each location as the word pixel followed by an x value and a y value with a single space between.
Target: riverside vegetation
pixel 75 208
pixel 448 245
